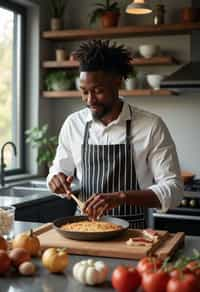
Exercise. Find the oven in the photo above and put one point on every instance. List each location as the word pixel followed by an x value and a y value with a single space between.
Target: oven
pixel 185 217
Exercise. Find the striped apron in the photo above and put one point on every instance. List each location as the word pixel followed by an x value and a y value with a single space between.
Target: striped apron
pixel 111 168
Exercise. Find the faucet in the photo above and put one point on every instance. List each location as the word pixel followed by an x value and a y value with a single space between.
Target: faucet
pixel 3 165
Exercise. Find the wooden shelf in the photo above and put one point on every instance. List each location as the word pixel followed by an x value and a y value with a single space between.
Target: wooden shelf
pixel 122 32
pixel 63 64
pixel 136 92
pixel 160 60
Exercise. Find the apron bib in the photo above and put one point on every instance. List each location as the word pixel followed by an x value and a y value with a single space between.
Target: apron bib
pixel 111 168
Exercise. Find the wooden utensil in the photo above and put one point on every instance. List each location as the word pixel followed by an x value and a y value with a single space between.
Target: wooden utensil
pixel 78 202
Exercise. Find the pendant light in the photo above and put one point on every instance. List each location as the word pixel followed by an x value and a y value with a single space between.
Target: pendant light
pixel 138 7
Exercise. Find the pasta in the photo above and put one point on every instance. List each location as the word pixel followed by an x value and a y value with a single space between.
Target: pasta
pixel 91 226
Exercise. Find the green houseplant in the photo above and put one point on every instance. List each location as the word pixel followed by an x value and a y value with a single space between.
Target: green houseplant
pixel 59 80
pixel 38 138
pixel 108 13
pixel 57 8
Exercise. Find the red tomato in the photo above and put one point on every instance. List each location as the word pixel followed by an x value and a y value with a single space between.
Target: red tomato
pixel 155 282
pixel 125 279
pixel 186 283
pixel 148 264
pixel 177 273
pixel 193 266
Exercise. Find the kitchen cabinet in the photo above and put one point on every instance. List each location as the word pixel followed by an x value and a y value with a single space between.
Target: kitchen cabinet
pixel 28 213
pixel 116 32
pixel 45 211
pixel 56 208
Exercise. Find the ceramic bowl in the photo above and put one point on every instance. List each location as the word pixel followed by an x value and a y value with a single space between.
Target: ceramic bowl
pixel 154 80
pixel 148 51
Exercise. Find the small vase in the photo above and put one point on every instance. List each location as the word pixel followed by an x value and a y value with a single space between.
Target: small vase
pixel 77 83
pixel 56 24
pixel 60 55
pixel 130 83
pixel 189 14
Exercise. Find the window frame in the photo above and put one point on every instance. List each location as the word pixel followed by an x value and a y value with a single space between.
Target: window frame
pixel 17 8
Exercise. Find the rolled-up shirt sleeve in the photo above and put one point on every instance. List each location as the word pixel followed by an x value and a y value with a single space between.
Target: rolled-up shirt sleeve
pixel 164 164
pixel 63 161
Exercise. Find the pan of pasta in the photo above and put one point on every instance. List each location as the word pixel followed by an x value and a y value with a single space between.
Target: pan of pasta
pixel 80 228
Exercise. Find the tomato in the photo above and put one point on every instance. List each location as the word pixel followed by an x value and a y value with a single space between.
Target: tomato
pixel 155 282
pixel 193 265
pixel 177 273
pixel 148 264
pixel 125 279
pixel 184 283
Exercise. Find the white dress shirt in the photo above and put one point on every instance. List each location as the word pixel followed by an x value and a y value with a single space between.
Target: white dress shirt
pixel 155 154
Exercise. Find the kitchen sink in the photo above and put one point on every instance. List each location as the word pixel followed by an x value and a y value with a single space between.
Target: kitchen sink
pixel 38 188
pixel 24 189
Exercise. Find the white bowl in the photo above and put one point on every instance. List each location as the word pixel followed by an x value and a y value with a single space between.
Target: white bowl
pixel 148 51
pixel 154 80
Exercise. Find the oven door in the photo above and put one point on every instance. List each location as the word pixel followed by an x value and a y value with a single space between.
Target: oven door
pixel 177 222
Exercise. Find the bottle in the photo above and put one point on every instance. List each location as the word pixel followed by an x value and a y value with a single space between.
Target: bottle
pixel 159 14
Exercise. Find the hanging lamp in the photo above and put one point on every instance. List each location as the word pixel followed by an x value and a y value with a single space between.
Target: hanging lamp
pixel 138 7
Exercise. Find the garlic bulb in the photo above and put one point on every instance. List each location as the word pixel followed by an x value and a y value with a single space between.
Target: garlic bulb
pixel 90 272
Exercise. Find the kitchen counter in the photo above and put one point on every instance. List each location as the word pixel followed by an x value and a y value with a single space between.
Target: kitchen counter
pixel 46 282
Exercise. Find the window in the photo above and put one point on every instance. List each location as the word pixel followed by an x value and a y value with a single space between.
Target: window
pixel 12 85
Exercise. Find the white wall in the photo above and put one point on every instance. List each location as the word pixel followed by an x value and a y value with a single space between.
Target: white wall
pixel 181 113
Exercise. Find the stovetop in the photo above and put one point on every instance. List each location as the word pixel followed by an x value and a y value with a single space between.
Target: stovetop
pixel 193 186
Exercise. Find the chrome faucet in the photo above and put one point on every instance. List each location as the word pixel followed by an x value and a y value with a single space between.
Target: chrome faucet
pixel 3 165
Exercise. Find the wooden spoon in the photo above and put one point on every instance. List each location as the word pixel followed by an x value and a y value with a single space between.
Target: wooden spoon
pixel 78 202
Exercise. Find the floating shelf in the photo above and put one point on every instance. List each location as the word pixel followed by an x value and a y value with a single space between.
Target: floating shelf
pixel 122 32
pixel 160 60
pixel 136 92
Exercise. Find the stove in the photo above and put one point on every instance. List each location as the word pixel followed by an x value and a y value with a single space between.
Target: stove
pixel 186 217
pixel 193 186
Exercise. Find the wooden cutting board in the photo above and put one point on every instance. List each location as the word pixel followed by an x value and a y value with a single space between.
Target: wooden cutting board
pixel 116 248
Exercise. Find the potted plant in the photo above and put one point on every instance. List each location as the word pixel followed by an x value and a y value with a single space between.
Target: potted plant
pixel 108 13
pixel 59 81
pixel 131 80
pixel 39 138
pixel 57 8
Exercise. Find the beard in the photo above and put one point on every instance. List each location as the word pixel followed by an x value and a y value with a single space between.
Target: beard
pixel 100 111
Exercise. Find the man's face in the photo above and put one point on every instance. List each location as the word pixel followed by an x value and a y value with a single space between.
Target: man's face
pixel 99 91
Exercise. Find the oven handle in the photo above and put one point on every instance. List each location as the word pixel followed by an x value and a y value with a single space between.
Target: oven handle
pixel 171 216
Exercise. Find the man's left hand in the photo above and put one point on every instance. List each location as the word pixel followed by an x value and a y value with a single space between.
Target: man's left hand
pixel 99 203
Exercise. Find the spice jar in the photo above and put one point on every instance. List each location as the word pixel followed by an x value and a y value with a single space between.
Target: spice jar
pixel 159 14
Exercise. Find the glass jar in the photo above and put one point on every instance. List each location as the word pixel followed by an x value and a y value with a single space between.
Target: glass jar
pixel 159 14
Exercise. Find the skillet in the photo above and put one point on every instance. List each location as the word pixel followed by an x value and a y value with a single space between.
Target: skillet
pixel 77 235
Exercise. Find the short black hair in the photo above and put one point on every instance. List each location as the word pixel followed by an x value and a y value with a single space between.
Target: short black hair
pixel 102 55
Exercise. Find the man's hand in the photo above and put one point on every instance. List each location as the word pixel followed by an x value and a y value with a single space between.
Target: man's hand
pixel 99 203
pixel 61 184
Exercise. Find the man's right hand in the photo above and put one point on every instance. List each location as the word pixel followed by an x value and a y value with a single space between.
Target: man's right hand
pixel 61 184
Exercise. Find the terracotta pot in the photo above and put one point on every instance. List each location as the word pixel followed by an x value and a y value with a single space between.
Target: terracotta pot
pixel 110 19
pixel 56 23
pixel 189 14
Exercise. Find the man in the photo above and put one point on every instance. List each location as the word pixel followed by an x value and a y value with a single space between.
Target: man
pixel 124 157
